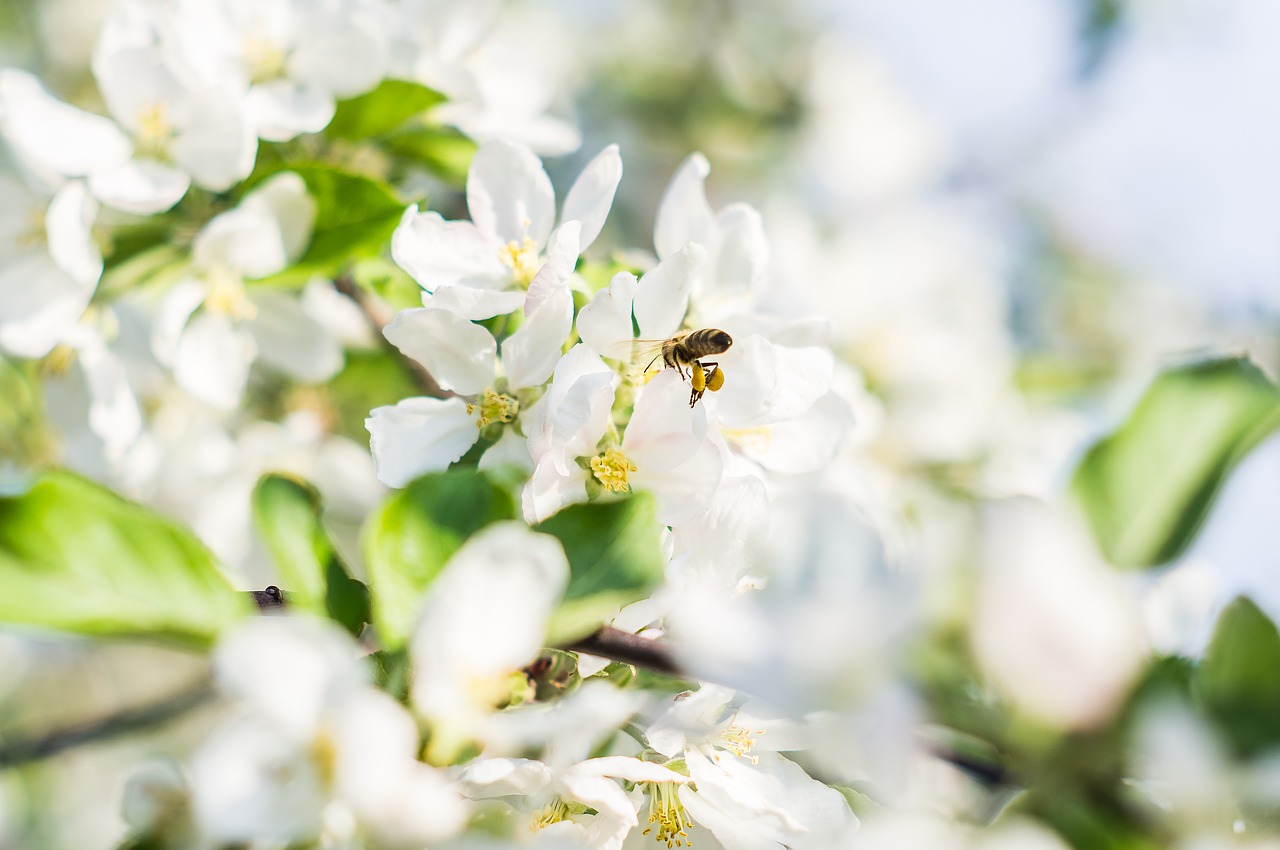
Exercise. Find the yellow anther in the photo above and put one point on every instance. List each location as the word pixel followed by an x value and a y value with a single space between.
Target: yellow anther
pixel 668 820
pixel 493 407
pixel 33 233
pixel 739 741
pixel 227 296
pixel 264 59
pixel 154 131
pixel 522 258
pixel 58 361
pixel 611 470
pixel 553 812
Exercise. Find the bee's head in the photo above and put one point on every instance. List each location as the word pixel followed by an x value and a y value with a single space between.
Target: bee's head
pixel 722 340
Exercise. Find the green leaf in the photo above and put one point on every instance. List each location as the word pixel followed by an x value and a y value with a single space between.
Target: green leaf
pixel 355 216
pixel 1148 487
pixel 413 534
pixel 75 556
pixel 443 151
pixel 288 515
pixel 1238 680
pixel 382 110
pixel 615 558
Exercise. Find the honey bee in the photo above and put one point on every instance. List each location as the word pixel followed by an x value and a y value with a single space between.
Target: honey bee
pixel 686 350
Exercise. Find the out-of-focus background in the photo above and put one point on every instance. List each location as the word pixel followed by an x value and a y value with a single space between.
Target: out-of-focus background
pixel 1013 213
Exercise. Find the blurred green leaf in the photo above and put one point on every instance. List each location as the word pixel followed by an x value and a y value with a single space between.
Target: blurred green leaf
pixel 443 151
pixel 1238 680
pixel 413 534
pixel 160 264
pixel 75 556
pixel 615 558
pixel 1148 487
pixel 369 379
pixel 382 110
pixel 288 515
pixel 355 216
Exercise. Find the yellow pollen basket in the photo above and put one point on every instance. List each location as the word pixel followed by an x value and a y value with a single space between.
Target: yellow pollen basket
pixel 522 259
pixel 493 407
pixel 155 131
pixel 227 296
pixel 611 469
pixel 668 820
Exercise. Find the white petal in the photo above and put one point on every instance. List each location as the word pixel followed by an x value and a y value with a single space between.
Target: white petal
pixel 509 194
pixel 562 256
pixel 51 136
pixel 572 416
pixel 685 490
pixel 345 54
pixel 802 444
pixel 438 253
pixel 485 617
pixel 530 354
pixel 212 360
pixel 684 215
pixel 69 224
pixel 664 431
pixel 486 778
pixel 39 304
pixel 458 354
pixel 419 435
pixel 214 141
pixel 662 296
pixel 290 340
pixel 591 195
pixel 245 241
pixel 741 254
pixel 175 310
pixel 603 795
pixel 142 186
pixel 285 200
pixel 548 490
pixel 474 303
pixel 510 452
pixel 628 768
pixel 606 320
pixel 278 110
pixel 113 408
pixel 288 669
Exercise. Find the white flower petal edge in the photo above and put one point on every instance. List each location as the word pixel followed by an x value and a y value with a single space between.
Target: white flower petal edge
pixel 605 321
pixel 417 436
pixel 52 137
pixel 684 215
pixel 509 194
pixel 530 354
pixel 662 296
pixel 461 356
pixel 591 195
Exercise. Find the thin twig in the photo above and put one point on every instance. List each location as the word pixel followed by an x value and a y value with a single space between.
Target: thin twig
pixel 379 316
pixel 23 751
pixel 618 645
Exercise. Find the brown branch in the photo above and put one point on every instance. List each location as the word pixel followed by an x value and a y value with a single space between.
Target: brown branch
pixel 618 645
pixel 22 751
pixel 379 315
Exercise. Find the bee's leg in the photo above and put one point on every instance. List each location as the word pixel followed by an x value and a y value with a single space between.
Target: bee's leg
pixel 651 362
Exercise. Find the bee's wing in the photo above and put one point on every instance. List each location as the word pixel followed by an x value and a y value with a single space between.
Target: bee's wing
pixel 637 352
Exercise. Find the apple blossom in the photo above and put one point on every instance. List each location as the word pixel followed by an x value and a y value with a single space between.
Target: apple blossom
pixel 494 263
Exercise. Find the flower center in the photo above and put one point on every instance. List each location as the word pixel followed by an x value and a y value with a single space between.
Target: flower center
pixel 264 59
pixel 553 812
pixel 738 740
pixel 33 234
pixel 493 407
pixel 58 361
pixel 227 296
pixel 522 259
pixel 668 820
pixel 611 470
pixel 154 132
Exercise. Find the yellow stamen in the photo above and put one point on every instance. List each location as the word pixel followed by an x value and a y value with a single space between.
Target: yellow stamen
pixel 739 741
pixel 264 59
pixel 493 407
pixel 227 296
pixel 522 259
pixel 611 470
pixel 33 234
pixel 668 820
pixel 154 132
pixel 59 361
pixel 553 812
